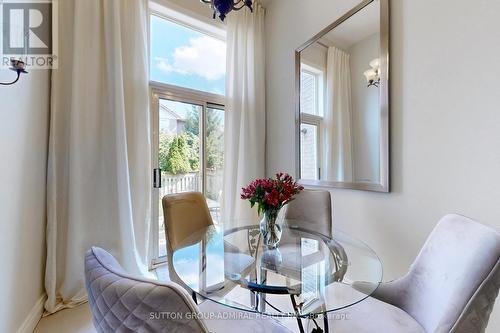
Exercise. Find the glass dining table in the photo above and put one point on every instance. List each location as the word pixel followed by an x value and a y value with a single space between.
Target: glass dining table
pixel 308 276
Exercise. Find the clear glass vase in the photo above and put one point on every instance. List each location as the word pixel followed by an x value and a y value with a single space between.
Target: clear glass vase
pixel 271 228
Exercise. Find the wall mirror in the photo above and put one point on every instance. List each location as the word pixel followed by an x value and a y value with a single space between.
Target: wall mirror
pixel 342 102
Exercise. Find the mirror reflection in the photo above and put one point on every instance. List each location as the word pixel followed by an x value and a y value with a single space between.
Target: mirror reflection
pixel 340 102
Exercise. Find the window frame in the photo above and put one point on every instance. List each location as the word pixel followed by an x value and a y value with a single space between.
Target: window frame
pixel 159 90
pixel 316 119
pixel 190 20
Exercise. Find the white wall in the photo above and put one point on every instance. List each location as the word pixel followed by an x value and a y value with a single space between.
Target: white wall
pixel 24 112
pixel 445 119
pixel 316 56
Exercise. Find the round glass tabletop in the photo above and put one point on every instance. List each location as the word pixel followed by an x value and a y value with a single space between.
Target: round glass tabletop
pixel 307 274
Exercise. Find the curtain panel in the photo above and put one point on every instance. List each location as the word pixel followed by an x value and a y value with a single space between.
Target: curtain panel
pixel 245 117
pixel 338 118
pixel 99 187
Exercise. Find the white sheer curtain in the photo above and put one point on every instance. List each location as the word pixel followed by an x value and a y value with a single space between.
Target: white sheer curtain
pixel 338 139
pixel 99 151
pixel 245 111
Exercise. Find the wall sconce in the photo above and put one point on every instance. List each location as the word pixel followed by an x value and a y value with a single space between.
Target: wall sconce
pixel 373 75
pixel 17 66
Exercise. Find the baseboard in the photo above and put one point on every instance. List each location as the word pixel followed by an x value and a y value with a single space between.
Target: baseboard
pixel 34 316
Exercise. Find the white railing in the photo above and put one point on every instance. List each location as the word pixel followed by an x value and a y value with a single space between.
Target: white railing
pixel 180 183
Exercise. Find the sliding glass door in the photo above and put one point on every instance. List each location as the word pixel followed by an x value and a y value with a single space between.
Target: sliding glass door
pixel 179 154
pixel 214 158
pixel 188 152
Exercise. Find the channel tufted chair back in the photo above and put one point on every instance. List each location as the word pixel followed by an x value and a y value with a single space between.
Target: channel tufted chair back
pixel 122 303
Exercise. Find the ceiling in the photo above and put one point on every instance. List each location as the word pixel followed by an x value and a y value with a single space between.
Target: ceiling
pixel 358 27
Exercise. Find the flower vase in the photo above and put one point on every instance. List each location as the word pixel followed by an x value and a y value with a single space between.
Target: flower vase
pixel 271 228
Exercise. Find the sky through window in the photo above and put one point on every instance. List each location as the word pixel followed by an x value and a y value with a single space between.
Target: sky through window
pixel 187 58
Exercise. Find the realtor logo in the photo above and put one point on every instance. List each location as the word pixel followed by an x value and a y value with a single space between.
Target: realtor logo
pixel 27 28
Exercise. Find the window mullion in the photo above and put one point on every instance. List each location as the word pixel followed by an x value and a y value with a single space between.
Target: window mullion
pixel 203 140
pixel 155 230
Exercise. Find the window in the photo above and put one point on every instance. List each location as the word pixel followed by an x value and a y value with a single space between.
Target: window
pixel 312 273
pixel 187 87
pixel 311 90
pixel 309 151
pixel 185 57
pixel 312 110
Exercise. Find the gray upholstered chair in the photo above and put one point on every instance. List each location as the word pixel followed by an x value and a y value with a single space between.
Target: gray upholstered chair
pixel 312 210
pixel 123 303
pixel 450 288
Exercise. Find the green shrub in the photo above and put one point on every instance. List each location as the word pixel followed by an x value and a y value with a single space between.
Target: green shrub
pixel 177 161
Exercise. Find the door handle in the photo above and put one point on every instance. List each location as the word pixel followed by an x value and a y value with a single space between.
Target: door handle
pixel 157 178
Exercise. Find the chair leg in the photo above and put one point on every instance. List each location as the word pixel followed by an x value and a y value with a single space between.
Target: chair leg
pixel 317 328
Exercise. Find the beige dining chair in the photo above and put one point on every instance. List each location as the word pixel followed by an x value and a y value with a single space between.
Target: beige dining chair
pixel 450 288
pixel 185 215
pixel 121 303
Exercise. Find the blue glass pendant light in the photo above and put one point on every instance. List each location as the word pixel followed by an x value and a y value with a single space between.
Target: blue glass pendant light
pixel 222 7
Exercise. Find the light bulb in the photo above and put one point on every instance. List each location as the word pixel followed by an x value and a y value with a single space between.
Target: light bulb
pixel 375 63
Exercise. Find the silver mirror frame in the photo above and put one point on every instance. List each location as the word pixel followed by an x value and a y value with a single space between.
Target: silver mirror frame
pixel 384 184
